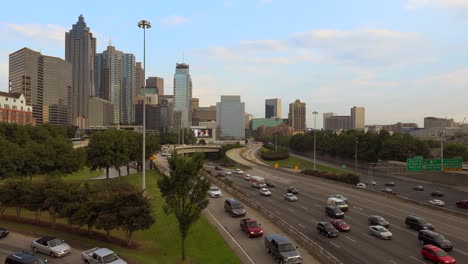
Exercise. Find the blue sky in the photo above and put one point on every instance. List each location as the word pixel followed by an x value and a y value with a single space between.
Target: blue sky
pixel 400 59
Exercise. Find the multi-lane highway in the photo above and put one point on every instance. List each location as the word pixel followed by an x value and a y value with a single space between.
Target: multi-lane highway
pixel 356 246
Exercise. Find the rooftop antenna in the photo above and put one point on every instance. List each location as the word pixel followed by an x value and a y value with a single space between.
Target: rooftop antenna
pixel 183 57
pixel 110 41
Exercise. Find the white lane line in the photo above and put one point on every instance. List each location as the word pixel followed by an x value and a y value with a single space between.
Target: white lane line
pixel 349 217
pixel 417 260
pixel 233 239
pixel 301 225
pixel 350 238
pixel 393 262
pixel 335 245
pixel 305 208
pixel 277 212
pixel 359 208
pixel 368 236
pixel 461 252
pixel 290 209
pixel 318 205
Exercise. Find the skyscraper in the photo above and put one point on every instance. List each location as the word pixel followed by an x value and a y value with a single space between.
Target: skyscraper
pixel 230 115
pixel 46 83
pixel 157 83
pixel 139 81
pixel 273 108
pixel 115 81
pixel 80 49
pixel 182 95
pixel 326 116
pixel 357 117
pixel 297 116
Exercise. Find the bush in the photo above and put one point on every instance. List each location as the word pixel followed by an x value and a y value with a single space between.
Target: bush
pixel 349 178
pixel 272 155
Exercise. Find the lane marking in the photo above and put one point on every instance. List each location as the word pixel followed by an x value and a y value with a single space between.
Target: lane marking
pixel 318 205
pixel 305 208
pixel 348 217
pixel 393 262
pixel 369 236
pixel 301 225
pixel 460 251
pixel 290 209
pixel 233 239
pixel 417 260
pixel 350 238
pixel 335 245
pixel 277 212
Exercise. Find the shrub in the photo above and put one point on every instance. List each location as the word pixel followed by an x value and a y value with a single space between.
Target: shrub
pixel 272 155
pixel 349 178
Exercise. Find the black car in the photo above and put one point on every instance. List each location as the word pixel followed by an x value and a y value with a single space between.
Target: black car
pixel 218 168
pixel 3 232
pixel 418 223
pixel 433 238
pixel 221 174
pixel 327 229
pixel 292 190
pixel 437 193
pixel 334 212
pixel 389 184
pixel 24 258
pixel 270 184
pixel 378 220
pixel 234 207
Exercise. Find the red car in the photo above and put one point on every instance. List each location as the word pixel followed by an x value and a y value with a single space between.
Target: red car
pixel 436 255
pixel 462 204
pixel 340 225
pixel 251 227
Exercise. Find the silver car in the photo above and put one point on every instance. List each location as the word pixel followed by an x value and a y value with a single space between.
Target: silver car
pixel 380 232
pixel 51 246
pixel 290 197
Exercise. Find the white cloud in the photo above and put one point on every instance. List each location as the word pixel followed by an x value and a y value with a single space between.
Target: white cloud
pixel 50 32
pixel 459 7
pixel 174 20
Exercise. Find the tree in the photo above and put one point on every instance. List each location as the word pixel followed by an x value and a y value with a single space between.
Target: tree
pixel 100 153
pixel 134 149
pixel 119 146
pixel 56 194
pixel 12 194
pixel 35 199
pixel 454 150
pixel 185 192
pixel 11 158
pixel 202 142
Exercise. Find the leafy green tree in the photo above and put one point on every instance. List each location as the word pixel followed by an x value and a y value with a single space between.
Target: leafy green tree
pixel 56 192
pixel 119 145
pixel 13 194
pixel 35 199
pixel 134 149
pixel 185 192
pixel 454 150
pixel 100 153
pixel 11 158
pixel 202 142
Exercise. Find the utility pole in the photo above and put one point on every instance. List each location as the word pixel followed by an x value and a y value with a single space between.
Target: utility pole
pixel 355 154
pixel 441 138
pixel 315 133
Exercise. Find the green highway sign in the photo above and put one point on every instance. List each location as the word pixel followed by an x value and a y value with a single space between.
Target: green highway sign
pixel 414 164
pixel 453 164
pixel 433 164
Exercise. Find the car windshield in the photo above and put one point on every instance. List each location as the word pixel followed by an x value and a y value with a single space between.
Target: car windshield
pixel 109 258
pixel 237 206
pixel 439 237
pixel 381 221
pixel 341 223
pixel 286 247
pixel 214 189
pixel 381 229
pixel 252 224
pixel 441 253
pixel 55 242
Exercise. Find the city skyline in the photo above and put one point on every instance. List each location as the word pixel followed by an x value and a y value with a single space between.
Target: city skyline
pixel 396 63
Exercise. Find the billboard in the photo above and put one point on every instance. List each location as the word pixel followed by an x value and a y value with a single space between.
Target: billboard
pixel 202 132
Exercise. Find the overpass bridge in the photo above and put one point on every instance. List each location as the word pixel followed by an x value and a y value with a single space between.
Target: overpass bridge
pixel 195 148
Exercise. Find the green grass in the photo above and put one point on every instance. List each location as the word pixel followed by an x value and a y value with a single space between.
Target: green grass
pixel 303 164
pixel 159 244
pixel 82 175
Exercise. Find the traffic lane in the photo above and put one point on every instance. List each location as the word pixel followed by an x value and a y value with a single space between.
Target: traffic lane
pixel 16 242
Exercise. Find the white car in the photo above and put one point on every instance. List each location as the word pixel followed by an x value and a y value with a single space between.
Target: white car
pixel 290 197
pixel 361 185
pixel 51 246
pixel 265 192
pixel 238 171
pixel 372 183
pixel 262 185
pixel 214 192
pixel 228 172
pixel 437 202
pixel 380 232
pixel 247 177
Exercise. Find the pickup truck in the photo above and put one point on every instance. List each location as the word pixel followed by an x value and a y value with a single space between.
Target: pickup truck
pixel 100 255
pixel 251 227
pixel 282 249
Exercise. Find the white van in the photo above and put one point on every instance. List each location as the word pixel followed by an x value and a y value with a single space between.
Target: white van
pixel 338 203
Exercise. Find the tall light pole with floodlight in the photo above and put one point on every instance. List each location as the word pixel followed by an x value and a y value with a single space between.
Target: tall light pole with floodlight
pixel 144 24
pixel 315 128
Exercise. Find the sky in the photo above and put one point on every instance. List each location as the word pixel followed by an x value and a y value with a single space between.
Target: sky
pixel 402 60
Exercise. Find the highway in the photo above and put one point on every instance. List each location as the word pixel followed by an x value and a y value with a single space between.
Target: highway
pixel 356 246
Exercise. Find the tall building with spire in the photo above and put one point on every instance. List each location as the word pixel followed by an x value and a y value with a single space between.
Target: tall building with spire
pixel 80 50
pixel 182 96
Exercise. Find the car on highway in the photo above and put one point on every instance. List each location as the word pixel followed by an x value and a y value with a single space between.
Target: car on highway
pixel 426 237
pixel 292 190
pixel 3 232
pixel 327 229
pixel 100 255
pixel 334 212
pixel 282 249
pixel 437 193
pixel 24 258
pixel 234 207
pixel 218 168
pixel 270 184
pixel 227 172
pixel 372 183
pixel 251 227
pixel 418 223
pixel 361 185
pixel 388 190
pixel 238 171
pixel 338 203
pixel 262 185
pixel 462 204
pixel 390 184
pixel 214 192
pixel 380 232
pixel 290 197
pixel 339 196
pixel 437 202
pixel 265 192
pixel 340 225
pixel 437 255
pixel 378 220
pixel 221 174
pixel 247 177
pixel 51 246
pixel 418 188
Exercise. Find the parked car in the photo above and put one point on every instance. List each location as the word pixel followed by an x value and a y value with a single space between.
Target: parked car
pixel 361 185
pixel 462 204
pixel 334 212
pixel 418 188
pixel 378 220
pixel 327 229
pixel 51 246
pixel 340 225
pixel 389 184
pixel 437 202
pixel 339 196
pixel 426 237
pixel 251 227
pixel 418 223
pixel 238 171
pixel 24 258
pixel 290 197
pixel 265 192
pixel 214 192
pixel 234 207
pixel 292 190
pixel 282 249
pixel 100 255
pixel 270 184
pixel 388 190
pixel 247 177
pixel 437 193
pixel 380 232
pixel 3 232
pixel 437 255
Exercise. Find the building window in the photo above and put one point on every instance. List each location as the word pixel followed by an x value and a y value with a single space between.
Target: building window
pixel 14 107
pixel 21 101
pixel 6 98
pixel 14 100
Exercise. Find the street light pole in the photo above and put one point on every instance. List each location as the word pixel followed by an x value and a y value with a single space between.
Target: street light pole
pixel 442 151
pixel 315 128
pixel 355 154
pixel 144 24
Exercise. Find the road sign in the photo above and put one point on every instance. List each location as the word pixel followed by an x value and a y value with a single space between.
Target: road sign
pixel 276 165
pixel 453 164
pixel 296 168
pixel 433 164
pixel 414 164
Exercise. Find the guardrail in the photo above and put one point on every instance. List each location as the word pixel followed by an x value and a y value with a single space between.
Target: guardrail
pixel 308 244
